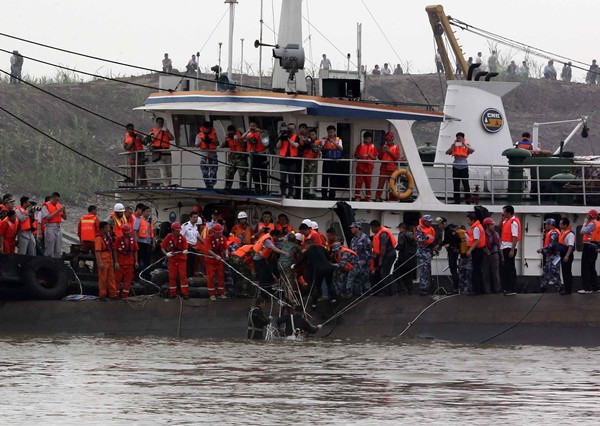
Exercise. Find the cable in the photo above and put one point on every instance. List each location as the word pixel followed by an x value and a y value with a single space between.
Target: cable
pixel 421 313
pixel 213 31
pixel 326 39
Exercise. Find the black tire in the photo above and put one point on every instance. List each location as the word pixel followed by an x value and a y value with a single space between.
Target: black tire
pixel 45 278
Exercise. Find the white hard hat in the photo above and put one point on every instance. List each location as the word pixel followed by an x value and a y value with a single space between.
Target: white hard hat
pixel 307 222
pixel 242 215
pixel 314 225
pixel 299 236
pixel 119 208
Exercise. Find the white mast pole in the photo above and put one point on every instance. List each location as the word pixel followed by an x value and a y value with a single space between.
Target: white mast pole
pixel 242 64
pixel 260 47
pixel 232 4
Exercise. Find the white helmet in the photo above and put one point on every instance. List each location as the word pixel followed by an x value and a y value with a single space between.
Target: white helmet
pixel 242 215
pixel 119 208
pixel 299 236
pixel 307 222
pixel 314 225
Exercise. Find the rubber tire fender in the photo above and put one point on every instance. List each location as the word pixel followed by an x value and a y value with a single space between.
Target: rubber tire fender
pixel 411 184
pixel 45 278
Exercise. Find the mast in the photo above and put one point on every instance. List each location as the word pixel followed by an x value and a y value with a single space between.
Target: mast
pixel 260 47
pixel 232 4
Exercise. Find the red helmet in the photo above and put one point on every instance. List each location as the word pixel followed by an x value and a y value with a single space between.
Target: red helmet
pixel 176 226
pixel 593 214
pixel 488 221
pixel 126 228
pixel 389 137
pixel 217 228
pixel 197 208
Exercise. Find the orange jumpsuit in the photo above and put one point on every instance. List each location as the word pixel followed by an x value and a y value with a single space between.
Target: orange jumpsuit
pixel 364 169
pixel 8 230
pixel 388 166
pixel 106 276
pixel 126 248
pixel 177 263
pixel 217 245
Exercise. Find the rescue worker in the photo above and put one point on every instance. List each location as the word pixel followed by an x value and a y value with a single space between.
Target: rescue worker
pixel 126 248
pixel 510 236
pixel 27 225
pixel 238 160
pixel 233 243
pixel 364 169
pixel 296 324
pixel 135 158
pixel 216 247
pixel 117 219
pixel 318 272
pixel 284 264
pixel 206 140
pixel 460 150
pixel 405 267
pixel 525 142
pixel 591 239
pixel 344 279
pixel 288 143
pixel 8 203
pixel 138 210
pixel 266 221
pixel 263 248
pixel 241 260
pixel 161 155
pixel 566 246
pixel 215 215
pixel 312 148
pixel 309 234
pixel 192 235
pixel 129 218
pixel 242 230
pixel 257 320
pixel 361 245
pixel 258 159
pixel 425 238
pixel 476 243
pixel 465 265
pixel 451 242
pixel 331 238
pixel 384 256
pixel 105 260
pixel 389 156
pixel 88 228
pixel 551 268
pixel 8 233
pixel 143 229
pixel 283 224
pixel 53 214
pixel 175 247
pixel 332 151
pixel 490 268
pixel 323 240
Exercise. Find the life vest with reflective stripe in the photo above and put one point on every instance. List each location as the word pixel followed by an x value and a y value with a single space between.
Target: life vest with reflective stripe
pixel 593 236
pixel 10 235
pixel 107 242
pixel 377 239
pixel 548 235
pixel 161 140
pixel 506 234
pixel 460 151
pixel 524 143
pixel 330 150
pixel 118 224
pixel 482 241
pixel 428 231
pixel 137 146
pixel 235 143
pixel 254 143
pixel 125 246
pixel 280 227
pixel 259 248
pixel 24 226
pixel 144 227
pixel 172 243
pixel 363 150
pixel 211 136
pixel 88 227
pixel 262 225
pixel 51 209
pixel 315 237
pixel 338 257
pixel 393 156
pixel 292 151
pixel 243 251
pixel 309 153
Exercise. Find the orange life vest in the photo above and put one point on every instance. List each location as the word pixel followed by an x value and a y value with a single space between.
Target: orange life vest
pixel 330 150
pixel 387 156
pixel 235 143
pixel 10 235
pixel 293 151
pixel 88 227
pixel 362 150
pixel 259 248
pixel 243 251
pixel 51 209
pixel 593 236
pixel 211 136
pixel 482 240
pixel 161 140
pixel 255 147
pixel 525 143
pixel 262 225
pixel 460 151
pixel 377 242
pixel 24 226
pixel 279 227
pixel 506 232
pixel 315 237
pixel 118 224
pixel 429 231
pixel 309 153
pixel 143 231
pixel 547 237
pixel 563 235
pixel 338 257
pixel 137 146
pixel 244 232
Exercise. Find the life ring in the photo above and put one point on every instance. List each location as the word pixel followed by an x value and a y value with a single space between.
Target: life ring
pixel 411 184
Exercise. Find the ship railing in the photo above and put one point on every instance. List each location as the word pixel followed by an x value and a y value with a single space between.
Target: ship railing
pixel 187 172
pixel 533 184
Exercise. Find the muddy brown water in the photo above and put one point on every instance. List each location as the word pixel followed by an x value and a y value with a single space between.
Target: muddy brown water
pixel 106 381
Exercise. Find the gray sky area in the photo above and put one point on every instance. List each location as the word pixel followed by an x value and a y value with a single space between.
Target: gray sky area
pixel 140 32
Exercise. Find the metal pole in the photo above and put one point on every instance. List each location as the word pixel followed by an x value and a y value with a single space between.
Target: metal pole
pixel 260 47
pixel 358 46
pixel 232 4
pixel 242 63
pixel 219 73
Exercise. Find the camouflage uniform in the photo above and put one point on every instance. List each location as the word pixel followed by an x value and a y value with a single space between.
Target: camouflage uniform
pixel 424 256
pixel 209 167
pixel 465 270
pixel 551 269
pixel 240 284
pixel 285 266
pixel 345 281
pixel 237 162
pixel 229 273
pixel 360 282
pixel 310 167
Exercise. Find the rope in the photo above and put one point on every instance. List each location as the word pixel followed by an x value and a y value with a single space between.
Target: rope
pixel 78 297
pixel 421 313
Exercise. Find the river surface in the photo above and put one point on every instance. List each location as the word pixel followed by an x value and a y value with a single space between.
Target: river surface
pixel 104 381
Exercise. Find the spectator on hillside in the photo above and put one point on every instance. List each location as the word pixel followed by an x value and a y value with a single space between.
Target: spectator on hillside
pixel 376 70
pixel 325 63
pixel 192 65
pixel 549 71
pixel 16 66
pixel 511 71
pixel 398 70
pixel 566 72
pixel 167 64
pixel 493 62
pixel 386 70
pixel 524 70
pixel 592 74
pixel 439 66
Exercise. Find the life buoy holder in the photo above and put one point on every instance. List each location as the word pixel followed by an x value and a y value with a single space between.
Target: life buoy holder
pixel 409 189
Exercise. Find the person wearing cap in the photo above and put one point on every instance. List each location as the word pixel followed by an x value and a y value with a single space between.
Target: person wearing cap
pixel 312 146
pixel 266 221
pixel 345 260
pixel 242 230
pixel 8 203
pixel 389 156
pixel 117 219
pixel 384 256
pixel 361 245
pixel 460 150
pixel 510 235
pixel 175 248
pixel 237 159
pixel 126 248
pixel 451 242
pixel 216 246
pixel 425 238
pixel 490 268
pixel 591 241
pixel 315 227
pixel 566 247
pixel 551 255
pixel 215 215
pixel 405 267
pixel 365 152
pixel 52 215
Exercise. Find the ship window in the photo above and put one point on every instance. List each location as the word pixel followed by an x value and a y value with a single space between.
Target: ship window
pixel 221 122
pixel 378 137
pixel 186 127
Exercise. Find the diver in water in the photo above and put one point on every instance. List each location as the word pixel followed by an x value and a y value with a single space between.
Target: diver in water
pixel 257 320
pixel 296 324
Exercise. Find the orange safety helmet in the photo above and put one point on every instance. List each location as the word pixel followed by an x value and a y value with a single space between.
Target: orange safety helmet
pixel 389 137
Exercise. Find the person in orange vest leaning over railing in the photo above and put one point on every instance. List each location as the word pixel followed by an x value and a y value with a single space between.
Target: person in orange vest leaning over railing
pixel 175 247
pixel 105 260
pixel 333 150
pixel 591 242
pixel 87 229
pixel 143 229
pixel 8 233
pixel 161 157
pixel 127 249
pixel 216 246
pixel 288 143
pixel 207 141
pixel 27 226
pixel 364 169
pixel 258 159
pixel 389 155
pixel 460 150
pixel 117 219
pixel 237 160
pixel 53 214
pixel 242 230
pixel 135 158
